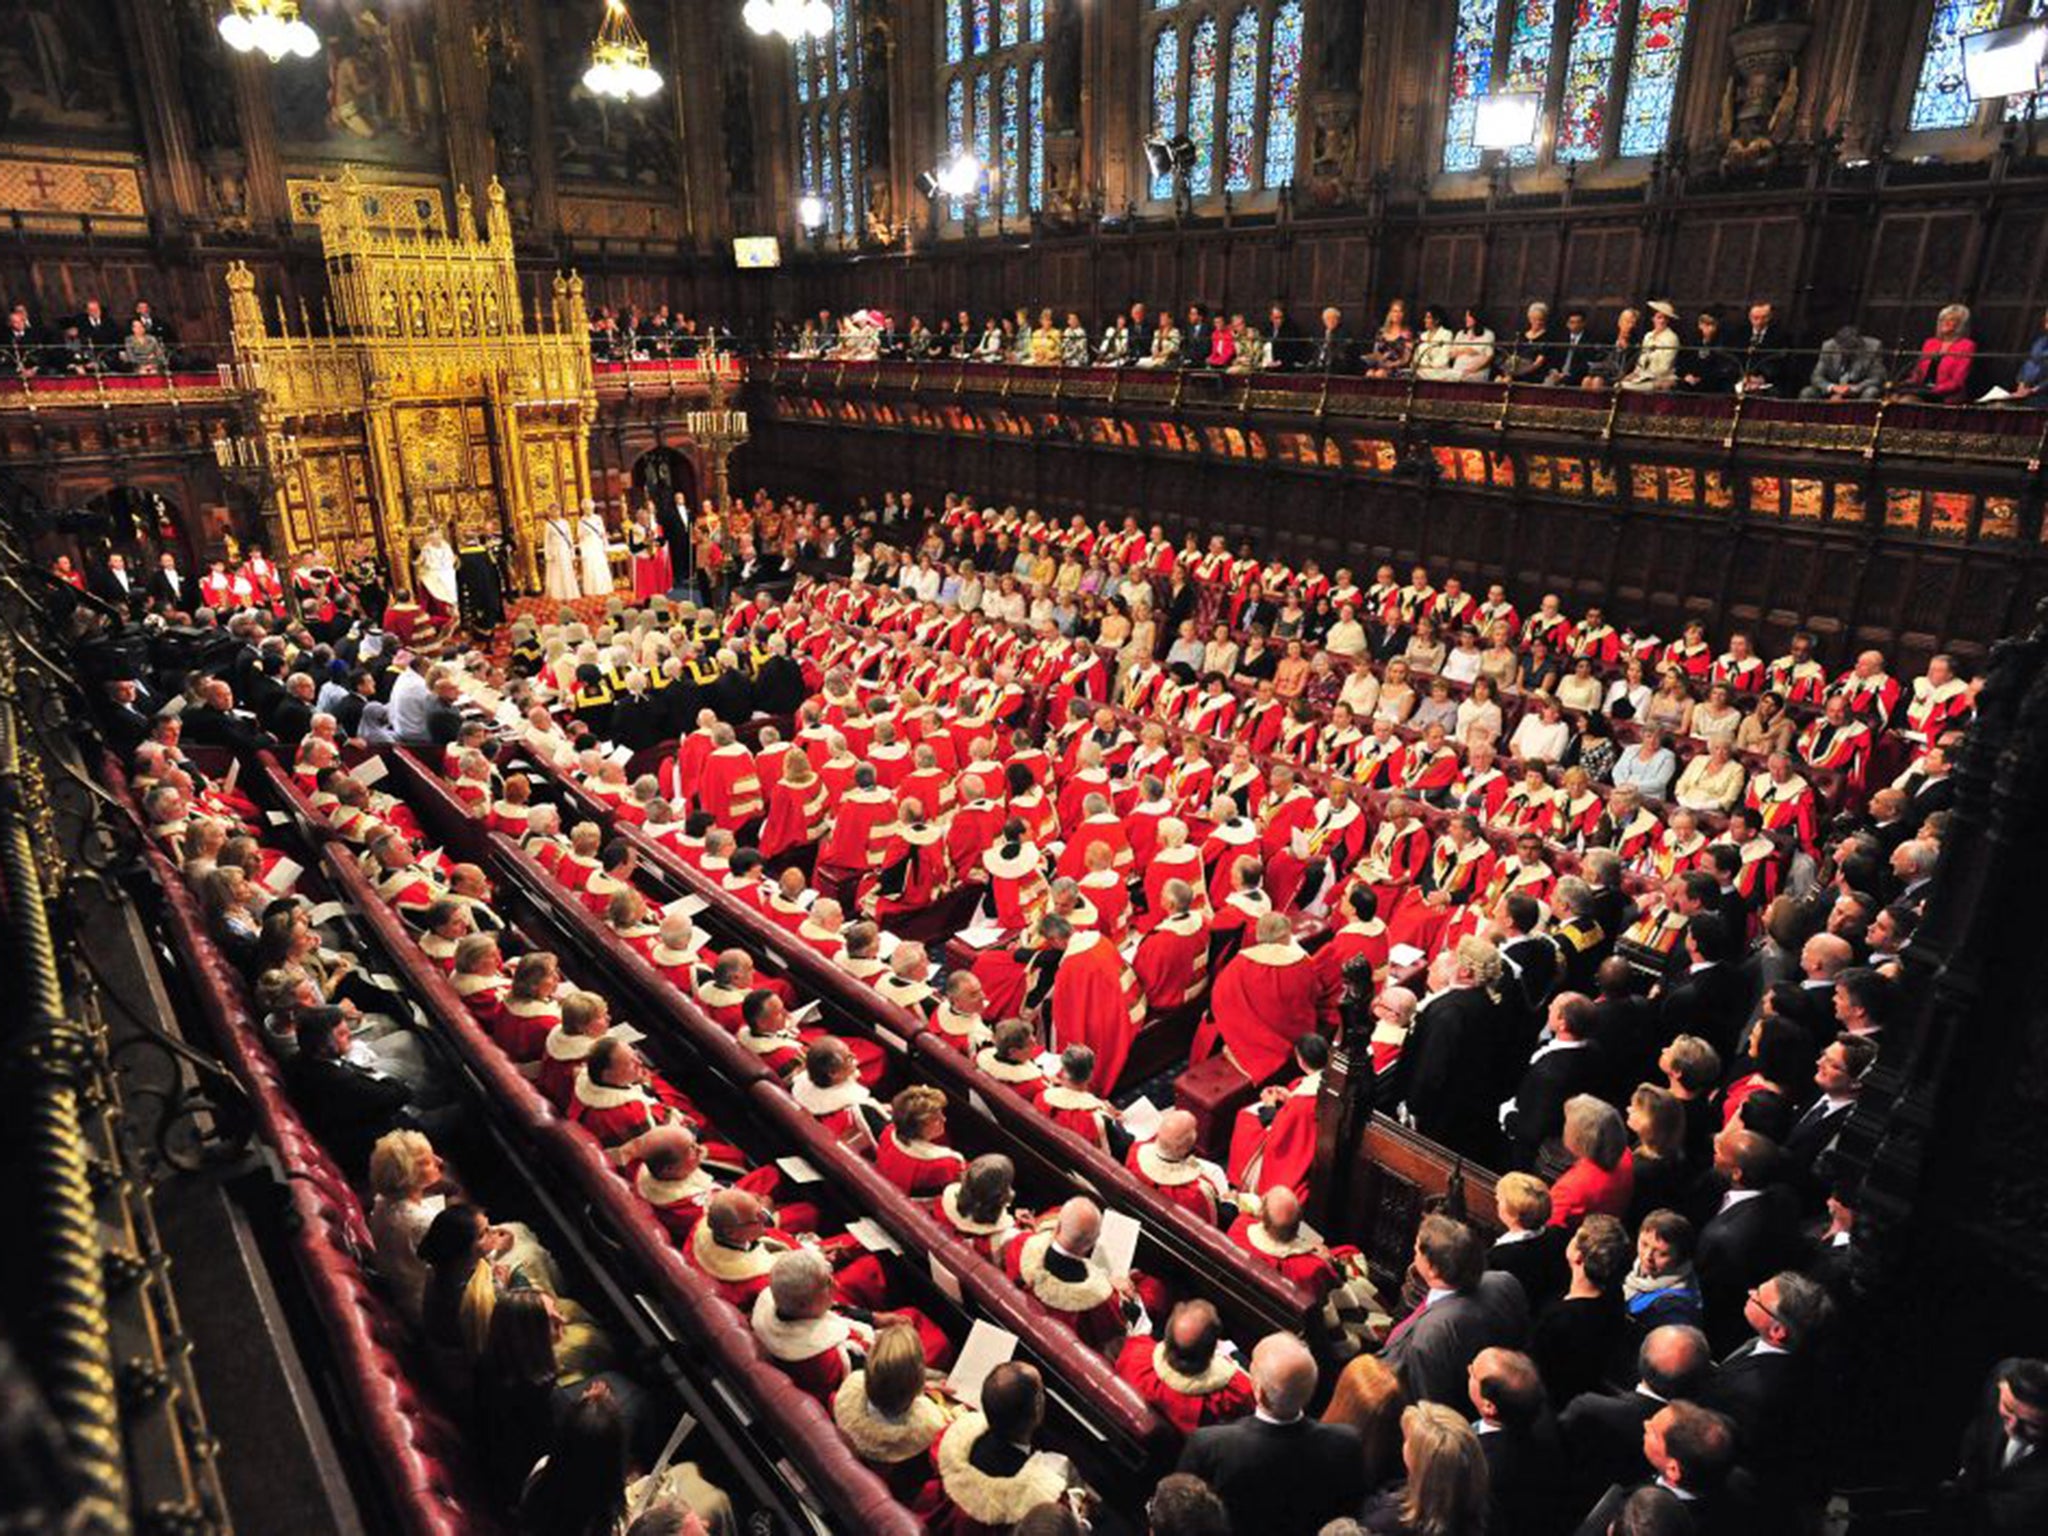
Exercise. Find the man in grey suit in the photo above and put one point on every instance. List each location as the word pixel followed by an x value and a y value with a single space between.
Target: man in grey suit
pixel 1431 1349
pixel 1850 367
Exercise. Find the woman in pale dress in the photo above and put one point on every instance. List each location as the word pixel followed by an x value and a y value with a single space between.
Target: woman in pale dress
pixel 1397 695
pixel 1656 365
pixel 436 565
pixel 1670 707
pixel 1472 349
pixel 1144 642
pixel 1498 661
pixel 1717 720
pixel 1361 690
pixel 593 545
pixel 1433 357
pixel 405 1172
pixel 559 542
pixel 1479 712
pixel 1629 695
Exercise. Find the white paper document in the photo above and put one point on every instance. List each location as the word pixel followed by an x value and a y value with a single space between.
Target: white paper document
pixel 1117 1247
pixel 326 912
pixel 799 1170
pixel 283 875
pixel 369 771
pixel 872 1235
pixel 986 1348
pixel 980 938
pixel 1404 955
pixel 1142 1120
pixel 687 906
pixel 946 1280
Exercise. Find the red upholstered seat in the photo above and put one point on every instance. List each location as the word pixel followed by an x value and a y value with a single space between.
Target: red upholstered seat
pixel 1213 1091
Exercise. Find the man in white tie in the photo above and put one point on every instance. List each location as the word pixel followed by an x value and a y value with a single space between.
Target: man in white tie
pixel 168 588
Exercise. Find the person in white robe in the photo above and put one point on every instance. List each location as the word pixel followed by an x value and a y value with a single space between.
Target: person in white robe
pixel 559 544
pixel 593 542
pixel 435 563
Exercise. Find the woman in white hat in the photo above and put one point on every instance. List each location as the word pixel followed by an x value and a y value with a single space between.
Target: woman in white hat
pixel 1657 363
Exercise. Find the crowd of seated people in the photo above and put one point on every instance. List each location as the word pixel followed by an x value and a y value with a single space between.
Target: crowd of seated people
pixel 1649 348
pixel 87 343
pixel 1654 1018
pixel 630 336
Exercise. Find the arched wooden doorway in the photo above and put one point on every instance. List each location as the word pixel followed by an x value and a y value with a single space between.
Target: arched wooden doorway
pixel 136 521
pixel 661 472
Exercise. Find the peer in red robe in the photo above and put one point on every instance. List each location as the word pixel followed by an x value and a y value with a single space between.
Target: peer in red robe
pixel 1265 999
pixel 1172 962
pixel 1273 1141
pixel 1097 1002
pixel 1291 1250
pixel 983 1483
pixel 862 822
pixel 1168 1162
pixel 731 786
pixel 1189 1393
pixel 1073 1287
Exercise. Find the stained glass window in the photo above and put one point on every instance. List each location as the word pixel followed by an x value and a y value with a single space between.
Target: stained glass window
pixel 1471 78
pixel 849 177
pixel 1165 96
pixel 1204 60
pixel 809 154
pixel 800 57
pixel 956 129
pixel 846 43
pixel 1528 64
pixel 831 167
pixel 984 33
pixel 1283 93
pixel 1652 76
pixel 956 31
pixel 1038 21
pixel 1588 77
pixel 2019 108
pixel 1012 14
pixel 1010 154
pixel 1241 102
pixel 984 119
pixel 1942 98
pixel 1037 134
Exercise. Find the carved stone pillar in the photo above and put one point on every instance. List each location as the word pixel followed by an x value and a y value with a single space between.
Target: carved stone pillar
pixel 1763 93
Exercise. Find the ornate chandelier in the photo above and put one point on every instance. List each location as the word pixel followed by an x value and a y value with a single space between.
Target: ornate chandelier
pixel 618 58
pixel 269 27
pixel 790 20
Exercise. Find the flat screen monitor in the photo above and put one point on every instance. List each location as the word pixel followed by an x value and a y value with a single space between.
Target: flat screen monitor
pixel 757 252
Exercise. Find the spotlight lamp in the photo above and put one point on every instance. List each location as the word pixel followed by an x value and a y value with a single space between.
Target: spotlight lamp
pixel 790 20
pixel 810 212
pixel 2006 61
pixel 1506 121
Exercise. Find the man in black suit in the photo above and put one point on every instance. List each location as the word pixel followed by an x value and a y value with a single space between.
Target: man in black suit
pixel 1839 1075
pixel 1529 1247
pixel 1751 1232
pixel 1691 1452
pixel 1143 327
pixel 346 1105
pixel 215 722
pixel 291 712
pixel 1574 353
pixel 1768 1387
pixel 1927 785
pixel 1710 1000
pixel 117 585
pixel 1332 351
pixel 2003 1479
pixel 1625 1023
pixel 1912 872
pixel 1385 639
pixel 1529 957
pixel 1567 1063
pixel 1434 1080
pixel 97 330
pixel 151 325
pixel 170 588
pixel 1280 1470
pixel 779 685
pixel 1811 1003
pixel 1767 361
pixel 1525 1461
pixel 348 710
pixel 127 726
pixel 1603 1431
pixel 1196 337
pixel 1284 337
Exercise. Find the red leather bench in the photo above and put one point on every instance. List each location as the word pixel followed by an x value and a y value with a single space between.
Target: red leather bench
pixel 420 1455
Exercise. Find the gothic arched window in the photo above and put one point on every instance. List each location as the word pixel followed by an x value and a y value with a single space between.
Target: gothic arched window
pixel 1227 73
pixel 832 161
pixel 992 80
pixel 1941 94
pixel 1604 71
